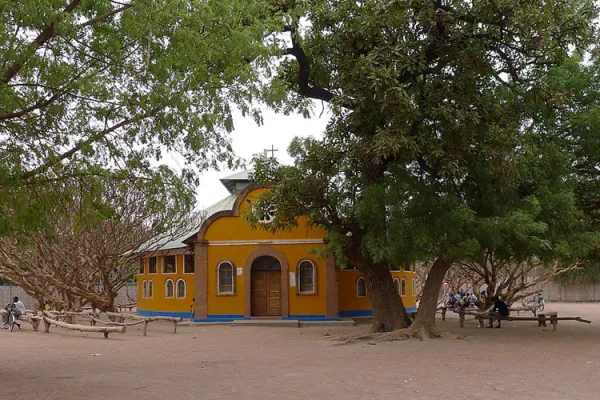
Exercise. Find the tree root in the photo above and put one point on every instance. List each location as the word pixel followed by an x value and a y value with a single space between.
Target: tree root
pixel 415 331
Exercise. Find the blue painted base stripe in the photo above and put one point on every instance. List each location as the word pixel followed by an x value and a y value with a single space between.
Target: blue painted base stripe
pixel 220 318
pixel 355 313
pixel 226 316
pixel 213 320
pixel 231 317
pixel 149 313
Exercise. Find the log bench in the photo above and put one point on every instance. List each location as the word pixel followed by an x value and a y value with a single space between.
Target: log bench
pixel 541 319
pixel 543 316
pixel 123 307
pixel 106 330
pixel 117 319
pixel 523 308
pixel 158 318
pixel 32 319
pixel 444 309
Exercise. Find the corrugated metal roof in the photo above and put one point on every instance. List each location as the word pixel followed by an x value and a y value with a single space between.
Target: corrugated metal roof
pixel 177 243
pixel 230 182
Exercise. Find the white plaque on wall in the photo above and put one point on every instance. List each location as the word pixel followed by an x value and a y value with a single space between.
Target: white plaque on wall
pixel 292 279
pixel 239 271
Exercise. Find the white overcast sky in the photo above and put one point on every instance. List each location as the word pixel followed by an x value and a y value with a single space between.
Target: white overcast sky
pixel 249 139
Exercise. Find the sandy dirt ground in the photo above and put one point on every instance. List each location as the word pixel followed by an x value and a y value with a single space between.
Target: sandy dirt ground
pixel 519 361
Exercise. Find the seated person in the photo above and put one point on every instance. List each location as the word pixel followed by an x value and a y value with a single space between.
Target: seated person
pixel 498 309
pixel 17 308
pixel 451 300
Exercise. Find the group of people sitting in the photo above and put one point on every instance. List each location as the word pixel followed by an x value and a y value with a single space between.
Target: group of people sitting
pixel 462 300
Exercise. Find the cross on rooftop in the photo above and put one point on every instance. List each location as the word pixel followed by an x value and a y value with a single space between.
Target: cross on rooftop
pixel 272 151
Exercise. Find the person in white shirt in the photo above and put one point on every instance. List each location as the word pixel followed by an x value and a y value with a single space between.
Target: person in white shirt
pixel 17 308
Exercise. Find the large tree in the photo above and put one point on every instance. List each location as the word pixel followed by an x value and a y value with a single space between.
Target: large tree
pixel 109 88
pixel 411 85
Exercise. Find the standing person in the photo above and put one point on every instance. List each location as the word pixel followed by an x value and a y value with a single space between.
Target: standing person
pixel 192 308
pixel 498 310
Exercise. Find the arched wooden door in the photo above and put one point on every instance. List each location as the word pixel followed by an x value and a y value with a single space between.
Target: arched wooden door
pixel 266 287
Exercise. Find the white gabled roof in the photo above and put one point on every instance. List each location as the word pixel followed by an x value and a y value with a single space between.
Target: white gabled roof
pixel 223 205
pixel 234 184
pixel 178 243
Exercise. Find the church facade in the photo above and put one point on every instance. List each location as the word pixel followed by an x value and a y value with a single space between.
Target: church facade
pixel 236 272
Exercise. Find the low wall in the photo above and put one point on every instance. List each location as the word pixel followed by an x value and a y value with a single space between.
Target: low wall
pixel 575 292
pixel 127 295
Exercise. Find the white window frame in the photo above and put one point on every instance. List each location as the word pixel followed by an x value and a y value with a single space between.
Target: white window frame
pixel 233 273
pixel 156 265
pixel 142 261
pixel 184 264
pixel 177 289
pixel 150 291
pixel 403 287
pixel 397 284
pixel 167 291
pixel 144 289
pixel 314 277
pixel 360 278
pixel 414 287
pixel 162 266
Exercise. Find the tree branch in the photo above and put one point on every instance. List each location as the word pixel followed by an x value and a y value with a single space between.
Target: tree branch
pixel 42 38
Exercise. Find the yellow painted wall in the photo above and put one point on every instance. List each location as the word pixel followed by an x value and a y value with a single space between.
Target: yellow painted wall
pixel 349 301
pixel 236 228
pixel 159 302
pixel 234 304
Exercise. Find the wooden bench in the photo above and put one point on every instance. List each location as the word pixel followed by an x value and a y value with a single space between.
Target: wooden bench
pixel 523 308
pixel 27 317
pixel 551 316
pixel 125 307
pixel 548 316
pixel 444 309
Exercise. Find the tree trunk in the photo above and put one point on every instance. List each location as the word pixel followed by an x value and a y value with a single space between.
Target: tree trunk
pixel 424 325
pixel 389 313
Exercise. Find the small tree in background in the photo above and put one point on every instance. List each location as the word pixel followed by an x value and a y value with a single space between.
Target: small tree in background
pixel 91 250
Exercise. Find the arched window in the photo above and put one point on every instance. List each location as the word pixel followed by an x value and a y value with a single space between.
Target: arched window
pixel 414 288
pixel 225 278
pixel 169 289
pixel 397 285
pixel 150 288
pixel 144 289
pixel 403 287
pixel 307 277
pixel 361 287
pixel 180 289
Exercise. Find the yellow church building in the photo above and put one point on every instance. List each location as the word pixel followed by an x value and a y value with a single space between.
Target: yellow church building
pixel 236 272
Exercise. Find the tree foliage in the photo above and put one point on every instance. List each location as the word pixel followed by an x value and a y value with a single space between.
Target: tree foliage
pixel 100 88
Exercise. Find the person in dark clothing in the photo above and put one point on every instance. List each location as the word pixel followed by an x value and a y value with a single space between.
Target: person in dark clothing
pixel 498 310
